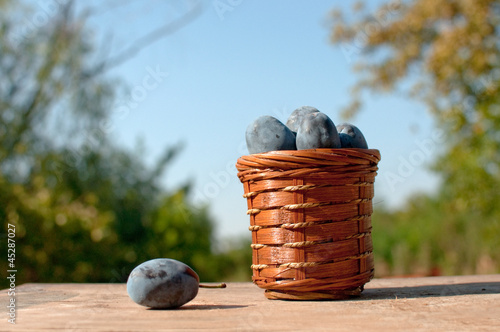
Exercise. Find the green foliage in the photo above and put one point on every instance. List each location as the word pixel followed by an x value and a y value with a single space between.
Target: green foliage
pixel 85 209
pixel 445 54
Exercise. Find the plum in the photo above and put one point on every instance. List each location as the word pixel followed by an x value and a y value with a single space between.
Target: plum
pixel 162 283
pixel 267 133
pixel 317 130
pixel 296 117
pixel 351 136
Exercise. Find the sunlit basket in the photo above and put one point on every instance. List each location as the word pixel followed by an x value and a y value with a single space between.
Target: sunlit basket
pixel 310 218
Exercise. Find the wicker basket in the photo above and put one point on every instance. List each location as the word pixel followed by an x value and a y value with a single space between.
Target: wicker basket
pixel 310 216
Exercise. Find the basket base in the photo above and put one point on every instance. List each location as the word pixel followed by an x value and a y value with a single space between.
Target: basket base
pixel 313 296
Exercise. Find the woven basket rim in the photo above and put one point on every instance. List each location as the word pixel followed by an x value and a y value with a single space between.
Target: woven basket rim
pixel 310 162
pixel 291 159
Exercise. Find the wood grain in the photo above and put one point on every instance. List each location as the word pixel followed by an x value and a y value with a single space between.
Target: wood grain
pixel 458 303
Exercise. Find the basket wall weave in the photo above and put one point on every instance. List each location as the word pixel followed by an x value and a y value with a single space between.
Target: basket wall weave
pixel 310 218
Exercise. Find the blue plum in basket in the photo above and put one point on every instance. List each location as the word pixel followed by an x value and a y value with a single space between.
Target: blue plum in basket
pixel 316 131
pixel 269 134
pixel 297 116
pixel 351 136
pixel 162 283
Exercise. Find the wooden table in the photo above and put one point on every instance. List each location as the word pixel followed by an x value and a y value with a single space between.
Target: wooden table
pixel 461 303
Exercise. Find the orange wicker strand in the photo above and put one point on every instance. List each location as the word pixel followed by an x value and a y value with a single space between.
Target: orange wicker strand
pixel 310 213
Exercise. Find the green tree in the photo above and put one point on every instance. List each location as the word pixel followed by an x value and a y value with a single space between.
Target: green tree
pixel 85 209
pixel 444 53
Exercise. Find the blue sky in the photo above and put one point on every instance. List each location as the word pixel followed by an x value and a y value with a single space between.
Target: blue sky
pixel 229 66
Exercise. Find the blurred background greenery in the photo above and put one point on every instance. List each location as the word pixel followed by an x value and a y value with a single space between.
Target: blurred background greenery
pixel 88 210
pixel 445 54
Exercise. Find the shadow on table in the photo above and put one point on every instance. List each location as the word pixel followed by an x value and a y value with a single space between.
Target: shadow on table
pixel 430 291
pixel 204 307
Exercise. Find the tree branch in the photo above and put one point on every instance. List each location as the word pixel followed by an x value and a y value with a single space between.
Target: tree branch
pixel 146 40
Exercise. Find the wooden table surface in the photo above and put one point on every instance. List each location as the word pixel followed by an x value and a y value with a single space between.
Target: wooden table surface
pixel 459 303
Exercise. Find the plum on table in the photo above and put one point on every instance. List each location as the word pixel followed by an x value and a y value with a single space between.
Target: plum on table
pixel 162 283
